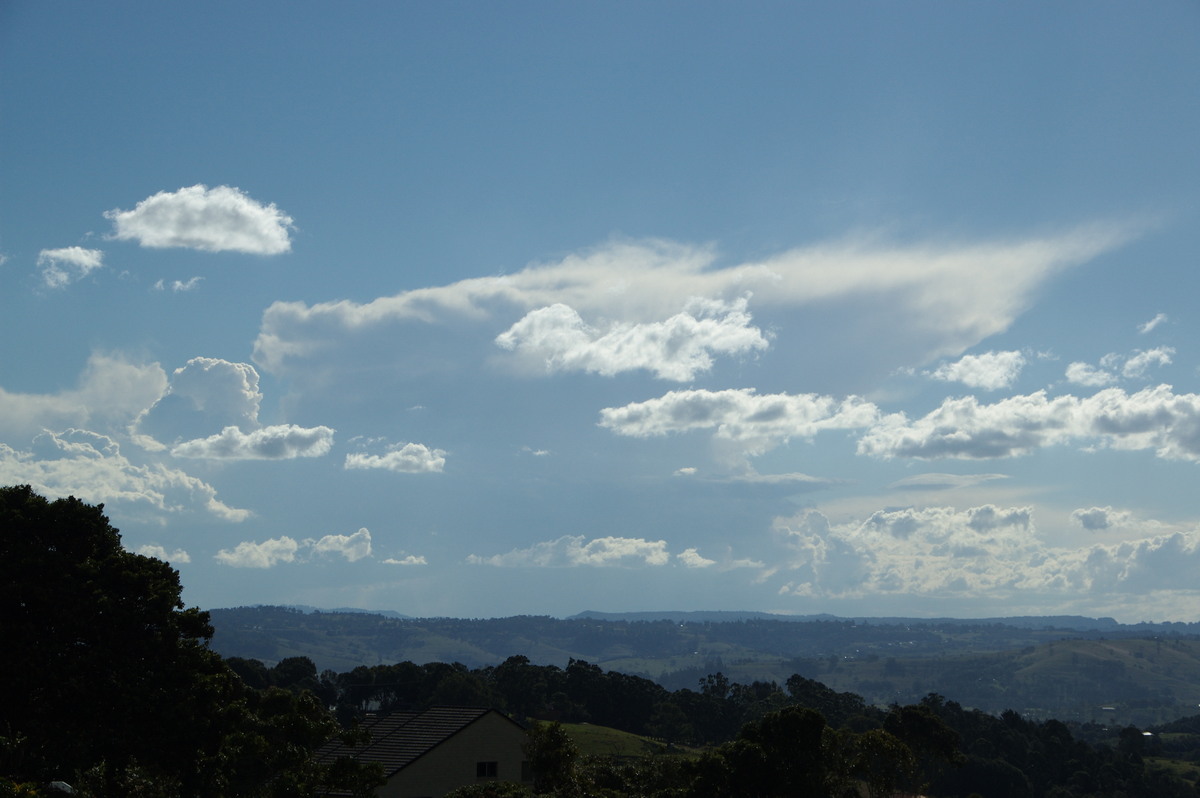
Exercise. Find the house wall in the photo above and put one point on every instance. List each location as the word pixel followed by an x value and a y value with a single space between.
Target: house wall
pixel 451 765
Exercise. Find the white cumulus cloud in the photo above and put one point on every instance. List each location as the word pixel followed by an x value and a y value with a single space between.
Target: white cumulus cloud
pixel 692 559
pixel 1089 376
pixel 249 554
pixel 571 551
pixel 980 551
pixel 755 422
pixel 1114 366
pixel 990 371
pixel 221 219
pixel 409 458
pixel 1137 364
pixel 1099 518
pixel 204 396
pixel 557 338
pixel 61 267
pixel 278 442
pixel 1153 418
pixel 353 547
pixel 91 467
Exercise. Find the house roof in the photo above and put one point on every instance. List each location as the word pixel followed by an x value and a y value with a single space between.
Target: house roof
pixel 399 738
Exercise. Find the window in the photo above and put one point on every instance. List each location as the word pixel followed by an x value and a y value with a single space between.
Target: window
pixel 486 770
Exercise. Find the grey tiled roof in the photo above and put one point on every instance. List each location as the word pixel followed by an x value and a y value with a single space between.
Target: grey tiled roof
pixel 401 737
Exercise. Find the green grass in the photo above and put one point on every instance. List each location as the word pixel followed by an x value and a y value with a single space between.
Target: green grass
pixel 595 740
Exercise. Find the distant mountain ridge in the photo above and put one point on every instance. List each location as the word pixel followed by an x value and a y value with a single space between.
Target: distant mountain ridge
pixel 1047 666
pixel 348 610
pixel 1076 622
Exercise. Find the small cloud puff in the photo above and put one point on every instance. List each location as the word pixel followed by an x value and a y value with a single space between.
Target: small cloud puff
pixel 1154 322
pixel 409 458
pixel 1089 376
pixel 410 559
pixel 160 553
pixel 61 267
pixel 1136 365
pixel 249 554
pixel 178 286
pixel 353 547
pixel 1114 366
pixel 222 219
pixel 692 559
pixel 989 371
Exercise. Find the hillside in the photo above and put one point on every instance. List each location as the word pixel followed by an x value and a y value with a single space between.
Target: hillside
pixel 1108 673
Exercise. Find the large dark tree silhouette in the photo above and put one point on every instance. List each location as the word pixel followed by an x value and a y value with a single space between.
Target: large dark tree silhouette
pixel 108 678
pixel 103 665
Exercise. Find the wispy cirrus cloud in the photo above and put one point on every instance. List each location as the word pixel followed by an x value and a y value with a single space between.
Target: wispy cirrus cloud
pixel 617 307
pixel 221 219
pixel 943 481
pixel 61 267
pixel 574 550
pixel 1150 326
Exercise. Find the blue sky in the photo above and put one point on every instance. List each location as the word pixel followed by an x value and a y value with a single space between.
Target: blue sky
pixel 482 309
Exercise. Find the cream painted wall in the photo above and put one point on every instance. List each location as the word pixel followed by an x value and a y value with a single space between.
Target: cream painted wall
pixel 450 765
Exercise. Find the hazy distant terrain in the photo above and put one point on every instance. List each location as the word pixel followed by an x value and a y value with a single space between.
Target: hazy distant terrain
pixel 1067 667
